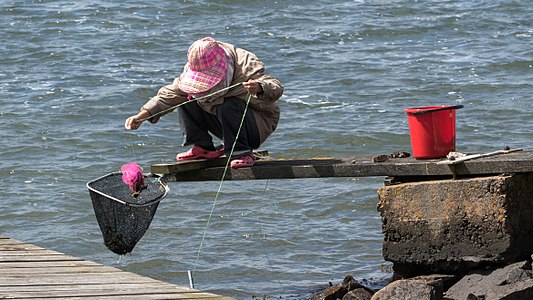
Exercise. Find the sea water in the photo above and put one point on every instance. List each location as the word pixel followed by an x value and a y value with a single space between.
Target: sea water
pixel 71 72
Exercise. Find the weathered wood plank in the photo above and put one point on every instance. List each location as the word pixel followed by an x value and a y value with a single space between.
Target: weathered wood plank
pixel 28 272
pixel 57 270
pixel 191 295
pixel 193 165
pixel 85 278
pixel 460 160
pixel 128 291
pixel 46 264
pixel 186 166
pixel 19 247
pixel 37 258
pixel 93 290
pixel 103 288
pixel 7 243
pixel 30 252
pixel 516 162
pixel 88 290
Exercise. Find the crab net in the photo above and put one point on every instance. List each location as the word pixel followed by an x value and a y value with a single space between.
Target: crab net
pixel 123 218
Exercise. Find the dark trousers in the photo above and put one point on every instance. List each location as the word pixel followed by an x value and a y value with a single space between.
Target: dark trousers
pixel 196 124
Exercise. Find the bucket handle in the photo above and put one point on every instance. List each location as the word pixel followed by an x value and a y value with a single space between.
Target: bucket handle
pixel 437 109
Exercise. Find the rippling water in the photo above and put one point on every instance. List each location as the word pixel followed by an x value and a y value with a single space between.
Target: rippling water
pixel 71 72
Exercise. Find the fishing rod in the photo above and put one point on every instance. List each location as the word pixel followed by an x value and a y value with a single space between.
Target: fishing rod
pixel 189 100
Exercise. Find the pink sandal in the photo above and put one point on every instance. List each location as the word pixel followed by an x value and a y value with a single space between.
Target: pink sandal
pixel 197 152
pixel 242 162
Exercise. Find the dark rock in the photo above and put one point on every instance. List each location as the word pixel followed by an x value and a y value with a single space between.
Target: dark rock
pixel 411 289
pixel 331 293
pixel 358 294
pixel 339 291
pixel 515 291
pixel 521 273
pixel 514 279
pixel 351 284
pixel 446 280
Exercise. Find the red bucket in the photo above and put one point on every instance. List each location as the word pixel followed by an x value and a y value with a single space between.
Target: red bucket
pixel 432 130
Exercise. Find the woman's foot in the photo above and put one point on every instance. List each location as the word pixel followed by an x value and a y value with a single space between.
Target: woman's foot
pixel 242 162
pixel 197 152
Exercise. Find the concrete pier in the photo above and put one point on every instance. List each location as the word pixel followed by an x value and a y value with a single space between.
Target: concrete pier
pixel 450 226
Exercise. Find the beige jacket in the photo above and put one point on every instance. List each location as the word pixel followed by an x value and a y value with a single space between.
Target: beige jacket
pixel 247 66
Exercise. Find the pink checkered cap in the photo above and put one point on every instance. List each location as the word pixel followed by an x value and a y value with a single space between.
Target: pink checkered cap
pixel 205 68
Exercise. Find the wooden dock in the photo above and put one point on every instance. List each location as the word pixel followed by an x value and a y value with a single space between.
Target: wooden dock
pixel 409 168
pixel 28 271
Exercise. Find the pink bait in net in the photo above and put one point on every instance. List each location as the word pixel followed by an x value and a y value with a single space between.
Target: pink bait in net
pixel 132 175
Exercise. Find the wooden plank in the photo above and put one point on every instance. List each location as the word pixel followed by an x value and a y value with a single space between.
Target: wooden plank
pixel 36 258
pixel 18 247
pixel 119 295
pixel 105 290
pixel 9 243
pixel 46 264
pixel 198 164
pixel 32 252
pixel 138 297
pixel 134 291
pixel 191 295
pixel 85 278
pixel 92 289
pixel 28 272
pixel 476 156
pixel 516 162
pixel 186 166
pixel 25 271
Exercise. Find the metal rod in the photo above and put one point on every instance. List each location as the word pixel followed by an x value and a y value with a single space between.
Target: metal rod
pixel 191 281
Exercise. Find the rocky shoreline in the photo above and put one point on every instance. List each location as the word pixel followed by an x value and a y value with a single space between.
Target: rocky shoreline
pixel 510 282
pixel 453 239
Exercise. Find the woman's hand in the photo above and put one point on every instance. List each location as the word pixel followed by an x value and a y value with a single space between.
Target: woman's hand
pixel 134 122
pixel 253 87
